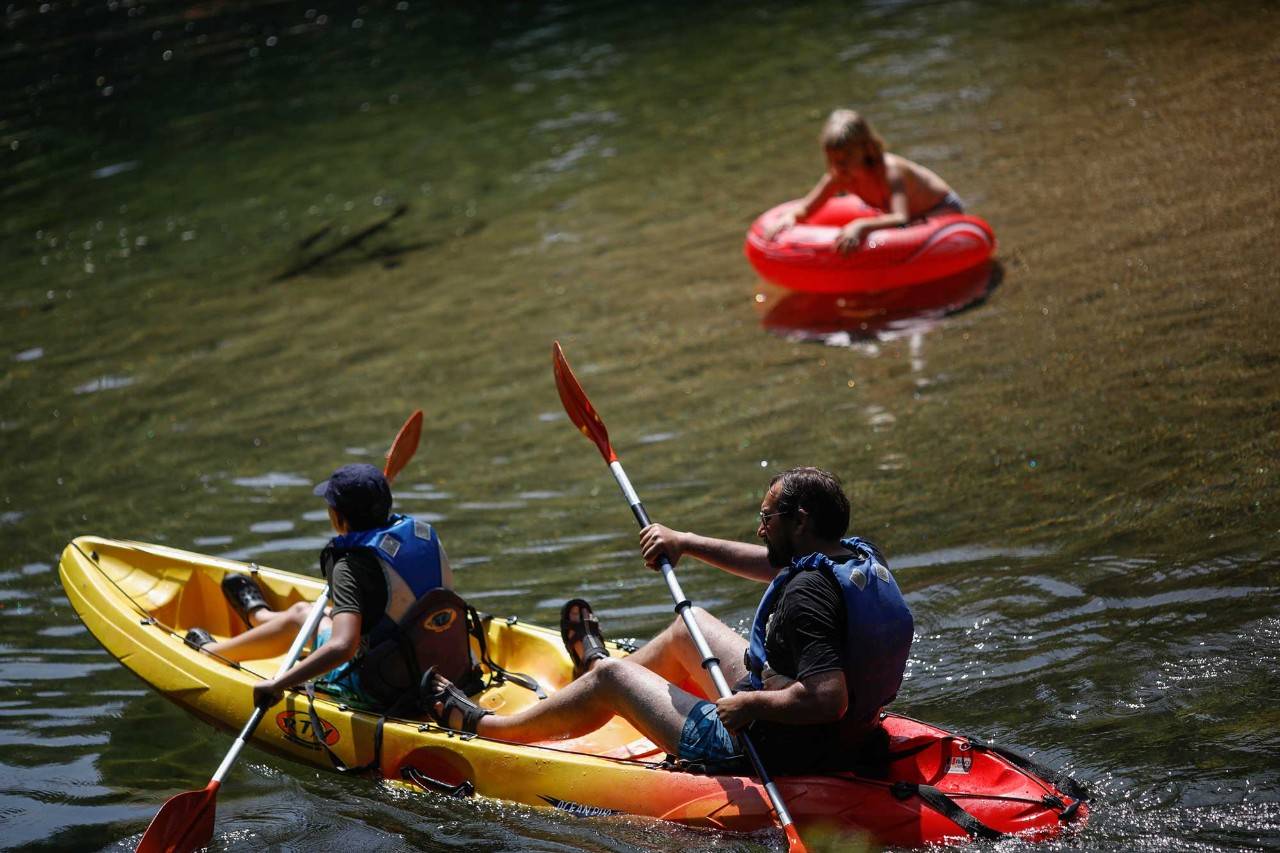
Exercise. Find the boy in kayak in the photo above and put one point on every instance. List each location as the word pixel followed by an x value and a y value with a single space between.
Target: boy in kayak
pixel 378 565
pixel 857 163
pixel 826 651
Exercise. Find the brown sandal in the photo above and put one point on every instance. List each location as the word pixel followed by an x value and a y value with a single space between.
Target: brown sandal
pixel 586 630
pixel 451 699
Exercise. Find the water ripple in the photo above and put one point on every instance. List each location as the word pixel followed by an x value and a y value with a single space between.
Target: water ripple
pixel 104 383
pixel 272 480
pixel 277 546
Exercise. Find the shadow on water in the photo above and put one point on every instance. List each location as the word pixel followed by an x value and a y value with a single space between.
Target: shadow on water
pixel 839 319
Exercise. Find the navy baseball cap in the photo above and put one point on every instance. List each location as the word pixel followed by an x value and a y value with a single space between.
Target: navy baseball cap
pixel 360 492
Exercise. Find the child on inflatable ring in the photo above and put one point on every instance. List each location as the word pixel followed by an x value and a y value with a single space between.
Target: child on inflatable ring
pixel 857 163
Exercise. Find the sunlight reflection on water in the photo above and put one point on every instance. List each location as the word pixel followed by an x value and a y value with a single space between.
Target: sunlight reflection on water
pixel 272 480
pixel 105 383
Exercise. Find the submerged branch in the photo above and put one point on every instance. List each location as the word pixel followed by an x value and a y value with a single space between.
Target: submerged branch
pixel 351 242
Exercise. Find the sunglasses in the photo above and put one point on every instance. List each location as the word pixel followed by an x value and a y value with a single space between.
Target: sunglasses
pixel 765 516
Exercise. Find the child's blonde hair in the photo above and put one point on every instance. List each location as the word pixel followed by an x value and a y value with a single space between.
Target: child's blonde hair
pixel 846 128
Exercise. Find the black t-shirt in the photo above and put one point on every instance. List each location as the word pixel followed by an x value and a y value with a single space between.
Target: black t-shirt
pixel 805 634
pixel 804 637
pixel 356 585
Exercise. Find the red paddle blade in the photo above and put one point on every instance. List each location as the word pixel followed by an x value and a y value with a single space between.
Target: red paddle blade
pixel 183 824
pixel 403 448
pixel 578 407
pixel 794 844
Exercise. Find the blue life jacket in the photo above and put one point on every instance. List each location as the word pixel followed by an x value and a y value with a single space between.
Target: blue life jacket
pixel 409 552
pixel 422 623
pixel 878 626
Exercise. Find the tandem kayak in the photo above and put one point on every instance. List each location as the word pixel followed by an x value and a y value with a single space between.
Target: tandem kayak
pixel 804 257
pixel 933 786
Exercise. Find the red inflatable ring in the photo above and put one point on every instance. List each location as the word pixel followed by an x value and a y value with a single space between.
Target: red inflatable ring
pixel 804 258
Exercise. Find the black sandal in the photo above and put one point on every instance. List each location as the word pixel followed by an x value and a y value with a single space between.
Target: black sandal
pixel 243 594
pixel 586 630
pixel 198 638
pixel 451 699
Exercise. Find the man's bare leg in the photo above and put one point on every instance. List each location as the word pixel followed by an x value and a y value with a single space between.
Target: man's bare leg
pixel 673 655
pixel 641 688
pixel 611 686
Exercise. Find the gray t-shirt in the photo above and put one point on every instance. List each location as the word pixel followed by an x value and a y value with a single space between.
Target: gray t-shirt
pixel 356 585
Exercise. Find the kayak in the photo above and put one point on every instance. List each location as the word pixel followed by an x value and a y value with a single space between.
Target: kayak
pixel 933 786
pixel 804 258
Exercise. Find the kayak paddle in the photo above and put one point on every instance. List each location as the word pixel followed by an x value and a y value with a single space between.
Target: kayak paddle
pixel 584 417
pixel 185 822
pixel 404 446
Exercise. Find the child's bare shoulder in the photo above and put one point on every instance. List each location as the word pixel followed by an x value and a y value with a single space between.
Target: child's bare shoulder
pixel 915 173
pixel 902 164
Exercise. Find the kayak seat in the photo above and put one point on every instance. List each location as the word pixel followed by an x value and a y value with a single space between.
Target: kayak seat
pixel 433 633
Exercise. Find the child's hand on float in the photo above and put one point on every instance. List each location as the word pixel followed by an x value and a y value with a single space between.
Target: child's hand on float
pixel 849 238
pixel 782 223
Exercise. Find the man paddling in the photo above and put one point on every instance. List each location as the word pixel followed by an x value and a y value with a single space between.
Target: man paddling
pixel 827 649
pixel 379 566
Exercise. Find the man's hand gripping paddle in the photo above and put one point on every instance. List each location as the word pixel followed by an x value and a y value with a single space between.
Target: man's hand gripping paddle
pixel 185 822
pixel 584 417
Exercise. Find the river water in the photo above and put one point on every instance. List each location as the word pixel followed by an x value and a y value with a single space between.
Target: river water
pixel 242 241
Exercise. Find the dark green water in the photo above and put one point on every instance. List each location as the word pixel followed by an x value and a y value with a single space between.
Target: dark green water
pixel 1073 480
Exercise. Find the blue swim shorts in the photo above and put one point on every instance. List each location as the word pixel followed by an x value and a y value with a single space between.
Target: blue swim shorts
pixel 705 740
pixel 342 682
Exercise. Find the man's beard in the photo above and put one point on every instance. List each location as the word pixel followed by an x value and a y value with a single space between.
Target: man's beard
pixel 778 557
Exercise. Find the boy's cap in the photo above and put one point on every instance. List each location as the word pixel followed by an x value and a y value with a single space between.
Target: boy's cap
pixel 360 492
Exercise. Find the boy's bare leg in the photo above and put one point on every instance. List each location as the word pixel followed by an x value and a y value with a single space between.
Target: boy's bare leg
pixel 262 615
pixel 267 639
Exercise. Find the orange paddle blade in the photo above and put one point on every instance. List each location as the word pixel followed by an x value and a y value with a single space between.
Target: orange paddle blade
pixel 403 448
pixel 183 824
pixel 578 407
pixel 794 844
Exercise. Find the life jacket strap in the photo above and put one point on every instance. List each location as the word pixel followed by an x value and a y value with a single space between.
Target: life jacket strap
pixel 317 731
